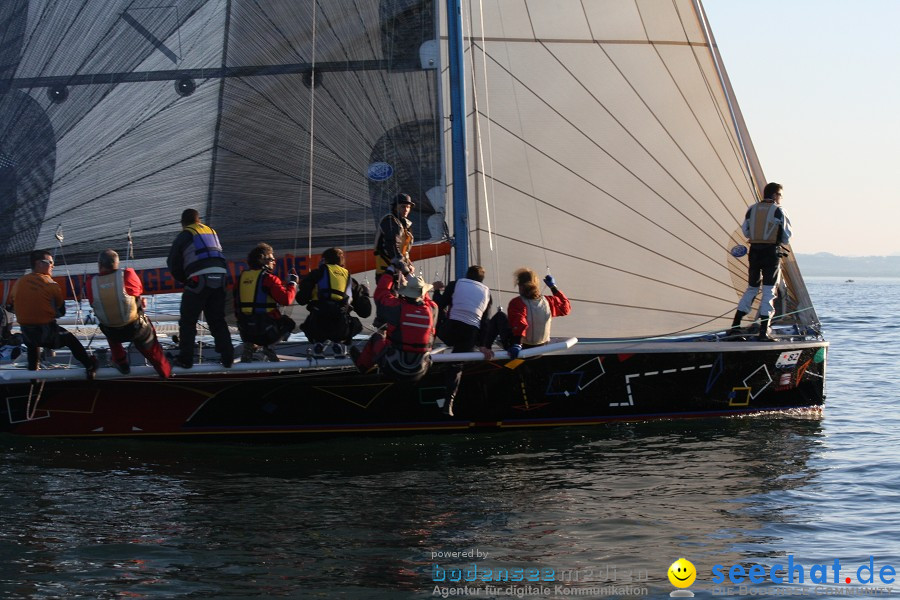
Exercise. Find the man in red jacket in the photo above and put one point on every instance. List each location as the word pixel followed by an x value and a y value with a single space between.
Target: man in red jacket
pixel 403 352
pixel 115 295
pixel 256 298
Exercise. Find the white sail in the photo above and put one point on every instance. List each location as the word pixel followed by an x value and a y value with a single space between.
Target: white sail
pixel 603 147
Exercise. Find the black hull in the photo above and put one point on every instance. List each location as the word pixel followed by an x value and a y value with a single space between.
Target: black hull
pixel 591 383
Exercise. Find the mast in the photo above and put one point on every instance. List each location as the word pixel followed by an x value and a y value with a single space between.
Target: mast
pixel 458 138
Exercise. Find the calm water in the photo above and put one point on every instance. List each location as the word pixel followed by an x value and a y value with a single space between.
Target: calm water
pixel 609 508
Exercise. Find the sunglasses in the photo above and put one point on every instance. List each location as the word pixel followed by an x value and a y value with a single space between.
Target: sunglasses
pixel 47 261
pixel 269 259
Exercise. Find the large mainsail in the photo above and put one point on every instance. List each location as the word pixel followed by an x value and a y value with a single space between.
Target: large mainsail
pixel 287 121
pixel 603 147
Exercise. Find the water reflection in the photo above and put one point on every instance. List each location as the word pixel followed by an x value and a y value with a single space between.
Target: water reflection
pixel 362 518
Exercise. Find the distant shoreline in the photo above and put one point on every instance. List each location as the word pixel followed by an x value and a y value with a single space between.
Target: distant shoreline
pixel 830 265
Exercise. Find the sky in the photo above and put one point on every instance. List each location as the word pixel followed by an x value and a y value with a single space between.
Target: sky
pixel 819 86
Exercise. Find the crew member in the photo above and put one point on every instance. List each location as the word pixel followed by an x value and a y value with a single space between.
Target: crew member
pixel 403 353
pixel 394 238
pixel 530 314
pixel 38 301
pixel 330 294
pixel 467 304
pixel 766 226
pixel 196 260
pixel 115 296
pixel 256 299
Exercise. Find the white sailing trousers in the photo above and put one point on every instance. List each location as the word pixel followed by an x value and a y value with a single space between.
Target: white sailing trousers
pixel 766 306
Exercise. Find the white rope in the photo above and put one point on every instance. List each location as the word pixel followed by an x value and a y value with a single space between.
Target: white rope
pixel 489 199
pixel 312 128
pixel 59 240
pixel 312 111
pixel 30 410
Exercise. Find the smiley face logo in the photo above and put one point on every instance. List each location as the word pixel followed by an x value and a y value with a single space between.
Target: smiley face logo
pixel 682 573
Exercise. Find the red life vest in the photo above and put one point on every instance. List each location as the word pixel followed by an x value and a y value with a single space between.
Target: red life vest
pixel 416 330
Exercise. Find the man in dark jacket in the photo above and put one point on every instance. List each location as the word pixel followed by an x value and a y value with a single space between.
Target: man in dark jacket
pixel 766 226
pixel 394 238
pixel 196 260
pixel 330 293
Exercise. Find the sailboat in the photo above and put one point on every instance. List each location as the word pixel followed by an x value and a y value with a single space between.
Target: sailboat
pixel 600 141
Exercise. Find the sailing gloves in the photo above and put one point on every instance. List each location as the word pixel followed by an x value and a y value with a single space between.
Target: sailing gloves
pixel 400 266
pixel 550 281
pixel 293 278
pixel 515 349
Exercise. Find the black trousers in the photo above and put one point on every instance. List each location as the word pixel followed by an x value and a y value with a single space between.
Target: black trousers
pixel 51 336
pixel 764 262
pixel 211 302
pixel 264 330
pixel 464 338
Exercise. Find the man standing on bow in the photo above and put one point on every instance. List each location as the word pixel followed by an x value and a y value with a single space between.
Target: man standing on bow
pixel 115 296
pixel 766 226
pixel 196 260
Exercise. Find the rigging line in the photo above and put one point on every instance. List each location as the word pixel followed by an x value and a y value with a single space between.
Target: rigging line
pixel 639 275
pixel 602 149
pixel 490 200
pixel 59 241
pixel 608 194
pixel 479 147
pixel 129 257
pixel 312 127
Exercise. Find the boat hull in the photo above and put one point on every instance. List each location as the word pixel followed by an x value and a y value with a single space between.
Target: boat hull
pixel 590 383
